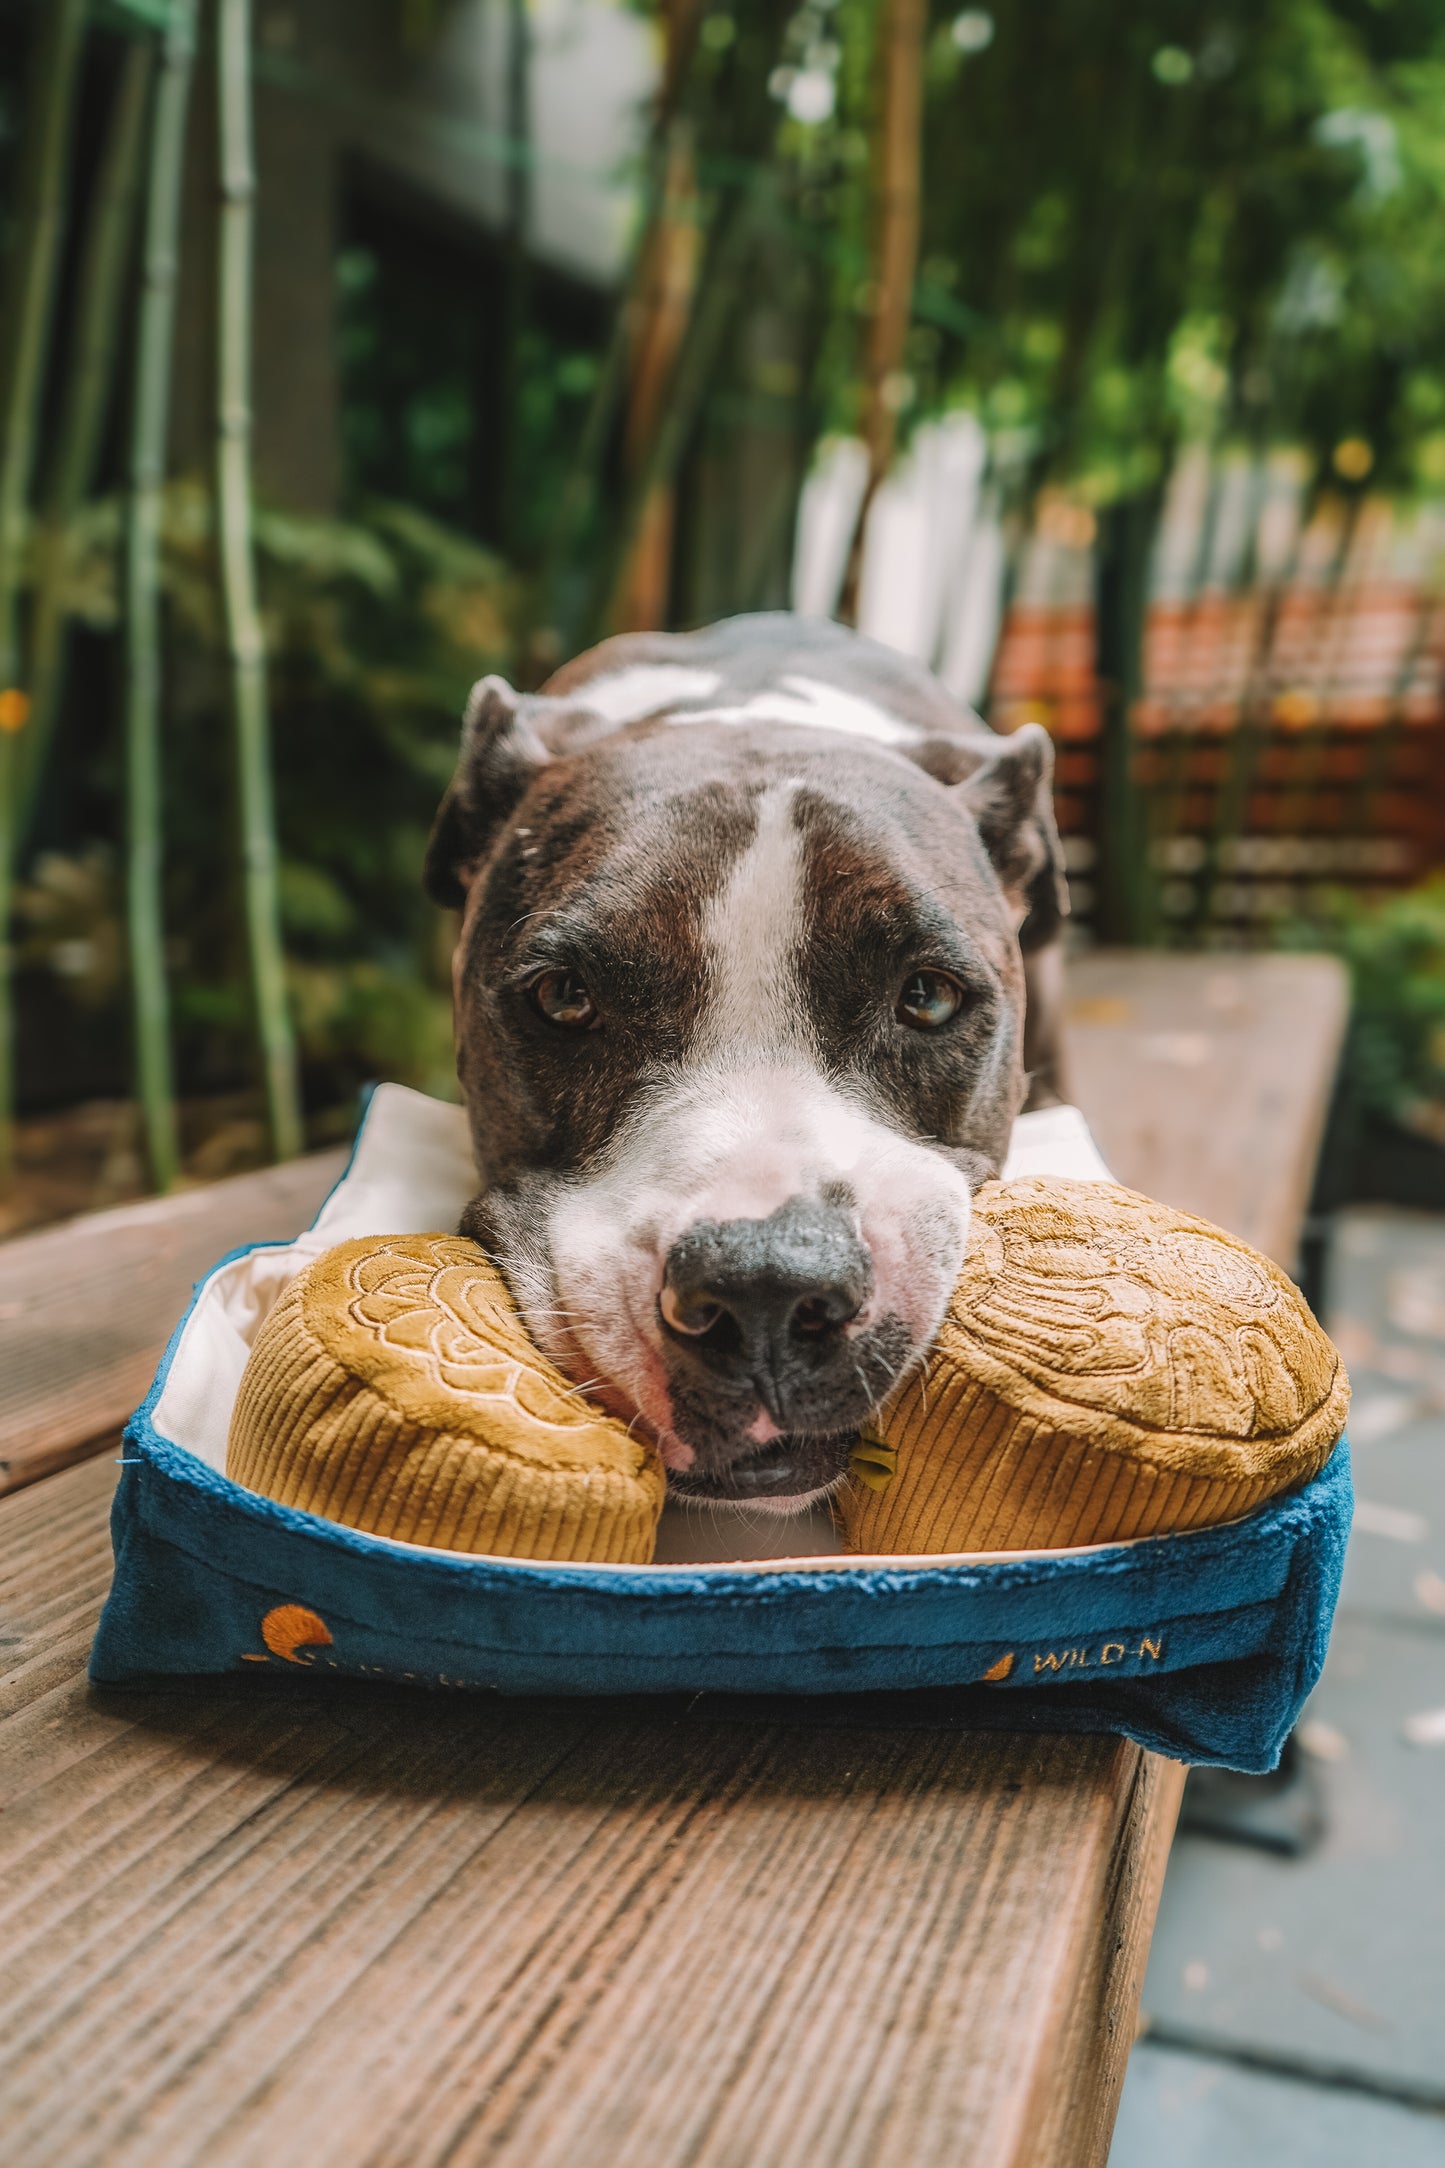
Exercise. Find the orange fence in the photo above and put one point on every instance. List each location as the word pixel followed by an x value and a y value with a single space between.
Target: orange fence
pixel 1290 732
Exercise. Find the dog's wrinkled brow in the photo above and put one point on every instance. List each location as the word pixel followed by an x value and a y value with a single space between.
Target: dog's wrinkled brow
pixel 535 943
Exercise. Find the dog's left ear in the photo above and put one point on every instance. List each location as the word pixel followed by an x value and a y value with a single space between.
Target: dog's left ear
pixel 1008 785
pixel 507 739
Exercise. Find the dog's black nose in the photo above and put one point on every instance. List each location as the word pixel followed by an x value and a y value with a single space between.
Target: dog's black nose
pixel 767 1299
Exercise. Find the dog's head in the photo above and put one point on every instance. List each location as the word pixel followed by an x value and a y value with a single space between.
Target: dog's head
pixel 740 1026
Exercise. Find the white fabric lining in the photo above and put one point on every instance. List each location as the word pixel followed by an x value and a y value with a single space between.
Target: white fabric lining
pixel 412 1173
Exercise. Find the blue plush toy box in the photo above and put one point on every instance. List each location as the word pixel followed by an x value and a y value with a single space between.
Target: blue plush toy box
pixel 1203 1646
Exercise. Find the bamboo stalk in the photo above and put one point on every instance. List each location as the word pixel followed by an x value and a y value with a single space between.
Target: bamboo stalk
pixel 716 294
pixel 85 405
pixel 517 283
pixel 1126 909
pixel 665 309
pixel 720 291
pixel 29 296
pixel 151 402
pixel 238 577
pixel 554 628
pixel 899 169
pixel 1252 724
pixel 665 304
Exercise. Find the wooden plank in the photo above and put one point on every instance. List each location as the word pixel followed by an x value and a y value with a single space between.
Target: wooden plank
pixel 249 1922
pixel 345 1926
pixel 1206 1079
pixel 1075 2096
pixel 86 1308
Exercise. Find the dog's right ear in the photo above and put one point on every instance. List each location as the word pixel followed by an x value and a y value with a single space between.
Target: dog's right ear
pixel 503 747
pixel 1007 783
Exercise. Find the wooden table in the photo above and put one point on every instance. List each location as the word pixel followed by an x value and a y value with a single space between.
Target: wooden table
pixel 256 1922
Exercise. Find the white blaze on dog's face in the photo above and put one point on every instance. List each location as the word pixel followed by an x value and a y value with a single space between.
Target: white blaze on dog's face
pixel 740 1026
pixel 751 1120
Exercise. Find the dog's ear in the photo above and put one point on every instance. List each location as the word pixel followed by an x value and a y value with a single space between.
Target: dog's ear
pixel 507 738
pixel 500 753
pixel 1008 785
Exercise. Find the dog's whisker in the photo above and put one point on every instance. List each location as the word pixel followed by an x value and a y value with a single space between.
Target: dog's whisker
pixel 580 1392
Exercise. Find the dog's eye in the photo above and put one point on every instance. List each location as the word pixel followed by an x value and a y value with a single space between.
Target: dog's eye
pixel 928 999
pixel 561 997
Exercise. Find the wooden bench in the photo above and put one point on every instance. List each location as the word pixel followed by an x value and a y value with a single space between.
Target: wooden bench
pixel 247 1922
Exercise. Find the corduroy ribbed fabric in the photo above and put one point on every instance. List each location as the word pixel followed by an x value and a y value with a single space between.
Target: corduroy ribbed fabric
pixel 394 1389
pixel 1108 1369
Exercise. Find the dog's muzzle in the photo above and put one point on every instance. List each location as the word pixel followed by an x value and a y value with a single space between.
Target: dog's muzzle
pixel 756 1315
pixel 789 1468
pixel 766 1302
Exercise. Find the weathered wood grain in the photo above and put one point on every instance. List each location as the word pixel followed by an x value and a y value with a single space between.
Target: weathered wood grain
pixel 334 1926
pixel 86 1308
pixel 1206 1079
pixel 1077 2084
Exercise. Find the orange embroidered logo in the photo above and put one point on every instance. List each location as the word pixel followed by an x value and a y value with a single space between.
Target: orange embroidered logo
pixel 289 1627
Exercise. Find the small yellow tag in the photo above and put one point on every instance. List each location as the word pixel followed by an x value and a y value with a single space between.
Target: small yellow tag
pixel 873 1463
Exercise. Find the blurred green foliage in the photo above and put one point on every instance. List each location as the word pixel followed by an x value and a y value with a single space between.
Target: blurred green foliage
pixel 426 395
pixel 1144 222
pixel 1178 217
pixel 1139 218
pixel 376 627
pixel 1395 951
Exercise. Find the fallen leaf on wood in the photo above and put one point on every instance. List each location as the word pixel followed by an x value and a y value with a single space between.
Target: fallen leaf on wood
pixel 1343 2003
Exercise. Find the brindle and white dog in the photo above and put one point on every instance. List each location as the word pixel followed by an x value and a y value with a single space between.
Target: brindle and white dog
pixel 748 916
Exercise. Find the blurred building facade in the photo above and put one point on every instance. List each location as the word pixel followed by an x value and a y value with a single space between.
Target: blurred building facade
pixel 385 132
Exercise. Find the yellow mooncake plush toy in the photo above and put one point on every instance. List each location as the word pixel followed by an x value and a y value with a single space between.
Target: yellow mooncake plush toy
pixel 394 1388
pixel 1108 1368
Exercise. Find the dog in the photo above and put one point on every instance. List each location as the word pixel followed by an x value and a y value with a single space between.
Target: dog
pixel 759 958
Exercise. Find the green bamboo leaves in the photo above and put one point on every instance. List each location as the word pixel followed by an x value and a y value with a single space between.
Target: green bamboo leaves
pixel 85 404
pixel 238 576
pixel 28 306
pixel 143 157
pixel 144 850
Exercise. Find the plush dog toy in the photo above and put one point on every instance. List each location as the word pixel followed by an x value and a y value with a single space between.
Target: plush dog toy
pixel 394 1388
pixel 1108 1368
